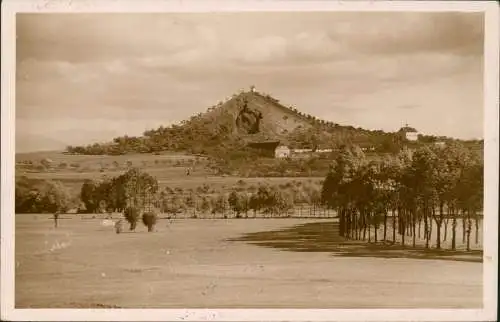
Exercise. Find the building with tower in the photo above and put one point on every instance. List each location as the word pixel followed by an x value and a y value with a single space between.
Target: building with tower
pixel 409 133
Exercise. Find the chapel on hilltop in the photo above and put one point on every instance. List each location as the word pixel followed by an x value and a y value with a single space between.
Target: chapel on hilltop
pixel 410 133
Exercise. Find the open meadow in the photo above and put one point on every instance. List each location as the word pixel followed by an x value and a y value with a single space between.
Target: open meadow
pixel 235 263
pixel 168 168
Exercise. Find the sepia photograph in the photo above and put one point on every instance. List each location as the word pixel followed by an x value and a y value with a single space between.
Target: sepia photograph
pixel 250 157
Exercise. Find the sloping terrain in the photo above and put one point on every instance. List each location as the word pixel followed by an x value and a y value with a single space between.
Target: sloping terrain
pixel 244 117
pixel 255 116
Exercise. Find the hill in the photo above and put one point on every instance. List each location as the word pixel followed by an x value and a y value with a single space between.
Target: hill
pixel 226 130
pixel 242 118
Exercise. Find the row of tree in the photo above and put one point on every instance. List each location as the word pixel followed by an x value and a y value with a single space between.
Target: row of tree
pixel 267 200
pixel 138 189
pixel 135 193
pixel 430 184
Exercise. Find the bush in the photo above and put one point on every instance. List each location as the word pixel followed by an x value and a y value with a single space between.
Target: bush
pixel 132 216
pixel 149 220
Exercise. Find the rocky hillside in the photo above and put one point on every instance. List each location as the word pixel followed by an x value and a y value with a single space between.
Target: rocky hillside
pixel 253 115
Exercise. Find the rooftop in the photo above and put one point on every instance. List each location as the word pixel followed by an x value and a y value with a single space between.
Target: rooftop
pixel 408 129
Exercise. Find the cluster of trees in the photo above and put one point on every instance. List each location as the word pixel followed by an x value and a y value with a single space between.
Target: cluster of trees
pixel 41 196
pixel 267 199
pixel 428 186
pixel 140 191
pixel 275 200
pixel 136 193
pixel 198 135
pixel 326 137
pixel 134 188
pixel 131 193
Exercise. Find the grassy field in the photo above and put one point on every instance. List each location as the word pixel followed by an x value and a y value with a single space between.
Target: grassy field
pixel 221 263
pixel 58 156
pixel 169 169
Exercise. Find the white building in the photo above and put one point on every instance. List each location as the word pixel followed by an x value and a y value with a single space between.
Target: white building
pixel 410 133
pixel 281 152
pixel 302 150
pixel 412 136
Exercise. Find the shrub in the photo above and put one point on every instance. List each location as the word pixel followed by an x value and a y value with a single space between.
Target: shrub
pixel 149 220
pixel 132 216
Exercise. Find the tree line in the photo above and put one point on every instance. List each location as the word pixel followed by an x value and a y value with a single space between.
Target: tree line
pixel 428 186
pixel 138 189
pixel 136 193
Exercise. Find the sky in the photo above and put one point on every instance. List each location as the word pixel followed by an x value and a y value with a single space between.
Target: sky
pixel 83 78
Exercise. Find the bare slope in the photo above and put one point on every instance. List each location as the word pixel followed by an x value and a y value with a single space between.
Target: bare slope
pixel 257 117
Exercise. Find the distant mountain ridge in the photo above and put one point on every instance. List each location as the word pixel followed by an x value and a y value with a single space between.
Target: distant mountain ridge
pixel 26 142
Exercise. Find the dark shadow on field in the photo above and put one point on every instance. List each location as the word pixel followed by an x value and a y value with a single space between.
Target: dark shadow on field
pixel 324 237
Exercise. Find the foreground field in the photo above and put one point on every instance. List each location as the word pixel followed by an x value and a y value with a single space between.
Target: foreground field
pixel 201 263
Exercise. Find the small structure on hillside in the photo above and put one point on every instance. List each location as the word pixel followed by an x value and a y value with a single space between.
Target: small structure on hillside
pixel 282 152
pixel 253 89
pixel 440 144
pixel 299 151
pixel 410 133
pixel 307 153
pixel 265 148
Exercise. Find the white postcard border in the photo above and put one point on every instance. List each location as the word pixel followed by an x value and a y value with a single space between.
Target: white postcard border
pixel 491 85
